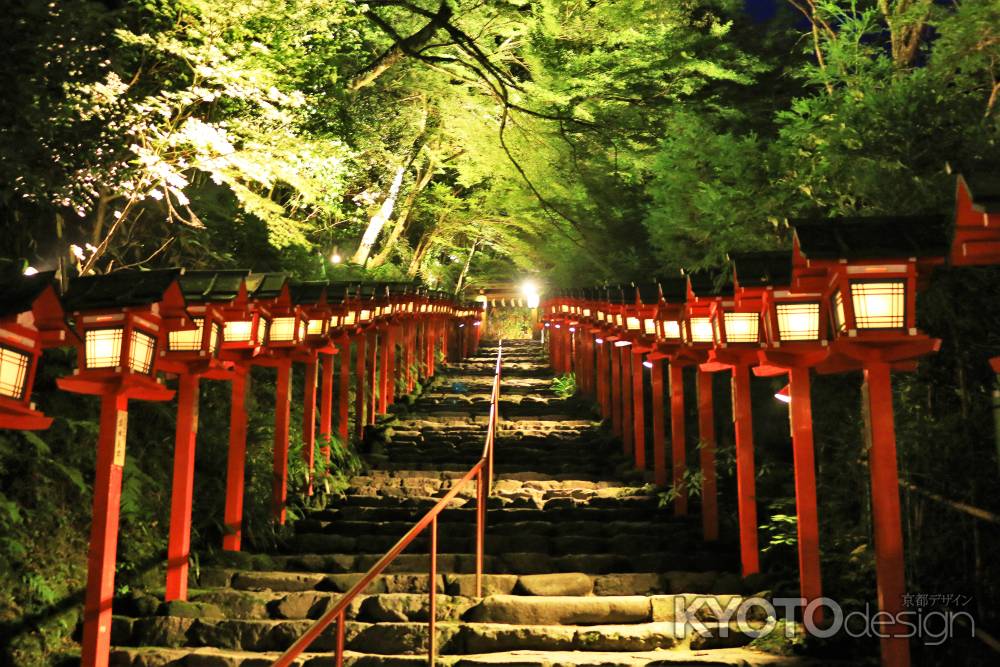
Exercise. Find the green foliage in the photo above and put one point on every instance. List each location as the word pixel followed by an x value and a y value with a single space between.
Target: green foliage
pixel 780 528
pixel 564 386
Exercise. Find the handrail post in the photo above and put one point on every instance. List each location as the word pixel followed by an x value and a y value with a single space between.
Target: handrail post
pixel 340 639
pixel 432 588
pixel 480 513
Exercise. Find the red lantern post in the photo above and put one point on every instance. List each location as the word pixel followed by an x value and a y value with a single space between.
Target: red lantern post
pixel 795 328
pixel 874 268
pixel 119 325
pixel 192 353
pixel 737 340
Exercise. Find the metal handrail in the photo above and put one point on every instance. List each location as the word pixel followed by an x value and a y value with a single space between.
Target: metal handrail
pixel 482 471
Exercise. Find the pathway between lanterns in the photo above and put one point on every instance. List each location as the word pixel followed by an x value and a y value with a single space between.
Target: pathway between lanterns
pixel 583 566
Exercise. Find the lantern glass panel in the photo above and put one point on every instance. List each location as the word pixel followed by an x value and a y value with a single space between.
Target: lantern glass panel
pixel 879 305
pixel 798 321
pixel 140 352
pixel 215 338
pixel 13 373
pixel 103 347
pixel 742 327
pixel 564 308
pixel 187 340
pixel 632 323
pixel 350 318
pixel 671 329
pixel 238 332
pixel 839 319
pixel 282 329
pixel 618 319
pixel 316 327
pixel 701 330
pixel 649 327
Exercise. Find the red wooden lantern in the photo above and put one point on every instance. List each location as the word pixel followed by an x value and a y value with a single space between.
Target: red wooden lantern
pixel 191 352
pixel 702 293
pixel 735 332
pixel 874 268
pixel 796 330
pixel 208 296
pixel 120 322
pixel 248 317
pixel 976 234
pixel 31 318
pixel 287 327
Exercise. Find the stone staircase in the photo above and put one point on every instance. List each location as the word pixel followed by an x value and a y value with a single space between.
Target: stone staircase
pixel 583 567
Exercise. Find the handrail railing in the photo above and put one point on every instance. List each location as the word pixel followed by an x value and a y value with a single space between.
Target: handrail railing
pixel 482 472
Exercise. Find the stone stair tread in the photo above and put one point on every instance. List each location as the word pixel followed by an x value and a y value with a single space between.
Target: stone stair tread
pixel 736 657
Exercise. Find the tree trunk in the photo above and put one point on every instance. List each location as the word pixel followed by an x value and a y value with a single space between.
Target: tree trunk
pixel 402 46
pixel 423 178
pixel 418 254
pixel 465 269
pixel 378 220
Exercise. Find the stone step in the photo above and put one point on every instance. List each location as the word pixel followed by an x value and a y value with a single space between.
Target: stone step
pixel 557 512
pixel 621 545
pixel 389 638
pixel 259 603
pixel 723 657
pixel 243 582
pixel 506 563
pixel 677 531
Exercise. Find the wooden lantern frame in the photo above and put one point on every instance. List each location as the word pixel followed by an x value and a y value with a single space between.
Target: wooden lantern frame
pixel 32 320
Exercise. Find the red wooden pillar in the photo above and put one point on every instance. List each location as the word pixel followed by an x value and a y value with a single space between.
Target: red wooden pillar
pixel 326 404
pixel 309 421
pixel 745 483
pixel 182 491
pixel 393 372
pixel 236 461
pixel 373 358
pixel 800 413
pixel 678 438
pixel 360 375
pixel 615 389
pixel 625 359
pixel 604 370
pixel 889 562
pixel 429 345
pixel 103 550
pixel 282 415
pixel 408 333
pixel 706 456
pixel 659 424
pixel 638 412
pixel 599 369
pixel 383 371
pixel 344 393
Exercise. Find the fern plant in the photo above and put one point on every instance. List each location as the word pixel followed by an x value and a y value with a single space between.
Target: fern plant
pixel 564 386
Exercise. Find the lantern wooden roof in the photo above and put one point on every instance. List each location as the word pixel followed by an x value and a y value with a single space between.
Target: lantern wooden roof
pixel 770 268
pixel 673 289
pixel 309 293
pixel 648 293
pixel 212 286
pixel 264 286
pixel 873 238
pixel 976 230
pixel 19 293
pixel 708 284
pixel 984 191
pixel 121 289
